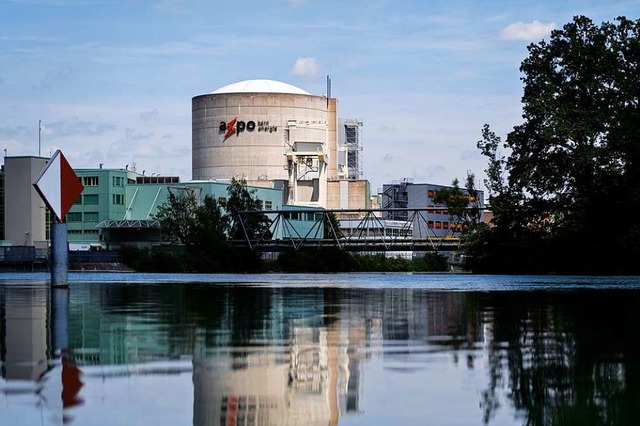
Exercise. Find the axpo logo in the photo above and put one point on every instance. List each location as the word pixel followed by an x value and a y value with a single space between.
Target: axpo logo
pixel 235 127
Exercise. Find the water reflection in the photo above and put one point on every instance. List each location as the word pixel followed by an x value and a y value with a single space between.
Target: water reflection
pixel 233 355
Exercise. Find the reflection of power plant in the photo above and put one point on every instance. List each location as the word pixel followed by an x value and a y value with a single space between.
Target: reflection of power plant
pixel 310 379
pixel 255 356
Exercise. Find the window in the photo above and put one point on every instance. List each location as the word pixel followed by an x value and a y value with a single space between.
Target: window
pixel 74 217
pixel 91 200
pixel 91 217
pixel 292 216
pixel 268 205
pixel 90 180
pixel 118 181
pixel 118 199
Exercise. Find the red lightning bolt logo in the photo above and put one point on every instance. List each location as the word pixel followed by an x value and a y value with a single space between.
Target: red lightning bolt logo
pixel 231 129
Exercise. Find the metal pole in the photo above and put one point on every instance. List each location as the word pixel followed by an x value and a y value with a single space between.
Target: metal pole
pixel 60 308
pixel 59 254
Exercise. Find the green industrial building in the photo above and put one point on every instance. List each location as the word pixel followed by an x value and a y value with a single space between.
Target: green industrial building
pixel 117 206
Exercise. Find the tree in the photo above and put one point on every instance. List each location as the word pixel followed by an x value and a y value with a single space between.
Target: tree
pixel 574 167
pixel 331 226
pixel 176 216
pixel 209 226
pixel 462 206
pixel 183 221
pixel 242 225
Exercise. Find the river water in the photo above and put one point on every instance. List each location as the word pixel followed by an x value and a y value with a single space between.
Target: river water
pixel 308 349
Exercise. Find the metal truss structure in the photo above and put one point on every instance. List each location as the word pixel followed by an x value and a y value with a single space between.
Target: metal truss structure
pixel 371 233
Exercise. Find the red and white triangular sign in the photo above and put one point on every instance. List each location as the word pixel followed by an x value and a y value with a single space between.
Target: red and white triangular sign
pixel 58 185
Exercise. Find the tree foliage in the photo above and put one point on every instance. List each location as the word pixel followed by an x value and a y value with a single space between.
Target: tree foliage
pixel 176 216
pixel 209 226
pixel 331 226
pixel 241 199
pixel 462 205
pixel 573 172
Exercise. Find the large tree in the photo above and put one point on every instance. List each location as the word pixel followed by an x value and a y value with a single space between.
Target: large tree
pixel 243 208
pixel 574 163
pixel 176 216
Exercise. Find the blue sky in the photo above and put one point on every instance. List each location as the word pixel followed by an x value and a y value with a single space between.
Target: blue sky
pixel 112 81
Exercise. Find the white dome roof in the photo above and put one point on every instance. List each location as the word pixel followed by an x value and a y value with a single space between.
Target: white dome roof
pixel 261 86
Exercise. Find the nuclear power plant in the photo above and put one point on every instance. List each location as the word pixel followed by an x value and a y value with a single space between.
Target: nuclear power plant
pixel 277 135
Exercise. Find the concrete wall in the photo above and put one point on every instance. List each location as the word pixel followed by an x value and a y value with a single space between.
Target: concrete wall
pixel 257 154
pixel 25 212
pixel 349 194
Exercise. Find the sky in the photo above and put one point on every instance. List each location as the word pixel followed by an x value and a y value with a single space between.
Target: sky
pixel 111 81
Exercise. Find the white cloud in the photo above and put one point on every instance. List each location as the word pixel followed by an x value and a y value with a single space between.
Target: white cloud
pixel 305 67
pixel 532 31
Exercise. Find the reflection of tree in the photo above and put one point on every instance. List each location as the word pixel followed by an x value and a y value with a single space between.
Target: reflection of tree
pixel 565 362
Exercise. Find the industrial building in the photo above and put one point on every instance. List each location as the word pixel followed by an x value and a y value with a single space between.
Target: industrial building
pixel 117 206
pixel 277 135
pixel 25 218
pixel 437 222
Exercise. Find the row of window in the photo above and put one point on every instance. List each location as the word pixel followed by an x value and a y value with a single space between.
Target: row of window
pixel 88 217
pixel 95 180
pixel 444 225
pixel 437 211
pixel 89 180
pixel 302 216
pixel 87 200
pixel 93 200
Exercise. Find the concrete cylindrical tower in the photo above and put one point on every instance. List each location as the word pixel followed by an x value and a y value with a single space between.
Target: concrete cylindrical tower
pixel 250 129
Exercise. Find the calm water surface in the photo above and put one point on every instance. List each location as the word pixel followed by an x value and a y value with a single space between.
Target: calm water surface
pixel 345 349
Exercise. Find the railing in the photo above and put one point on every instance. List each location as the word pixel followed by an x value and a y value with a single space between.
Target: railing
pixel 93 257
pixel 17 254
pixel 31 255
pixel 416 234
